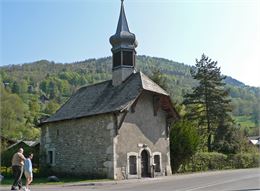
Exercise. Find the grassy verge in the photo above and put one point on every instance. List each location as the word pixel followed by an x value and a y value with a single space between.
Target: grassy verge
pixel 244 121
pixel 9 181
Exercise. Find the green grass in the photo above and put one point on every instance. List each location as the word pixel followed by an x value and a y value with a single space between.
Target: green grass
pixel 247 125
pixel 9 181
pixel 244 121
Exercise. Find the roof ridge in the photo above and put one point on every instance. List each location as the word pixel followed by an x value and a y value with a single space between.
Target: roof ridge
pixel 96 84
pixel 142 75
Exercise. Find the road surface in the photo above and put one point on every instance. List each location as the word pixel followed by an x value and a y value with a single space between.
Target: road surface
pixel 229 180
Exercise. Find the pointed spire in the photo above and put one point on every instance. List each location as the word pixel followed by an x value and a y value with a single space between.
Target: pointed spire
pixel 123 38
pixel 122 22
pixel 123 48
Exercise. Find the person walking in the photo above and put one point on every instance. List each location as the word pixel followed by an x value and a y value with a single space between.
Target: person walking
pixel 17 168
pixel 28 171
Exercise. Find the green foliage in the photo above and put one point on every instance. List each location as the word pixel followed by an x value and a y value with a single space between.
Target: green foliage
pixel 184 141
pixel 158 77
pixel 244 121
pixel 203 161
pixel 16 88
pixel 229 140
pixel 208 104
pixel 56 81
pixel 245 160
pixel 51 107
pixel 13 117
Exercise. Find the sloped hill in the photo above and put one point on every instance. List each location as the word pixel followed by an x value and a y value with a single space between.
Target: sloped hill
pixel 57 81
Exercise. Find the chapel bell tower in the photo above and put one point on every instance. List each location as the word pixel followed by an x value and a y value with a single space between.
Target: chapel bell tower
pixel 123 48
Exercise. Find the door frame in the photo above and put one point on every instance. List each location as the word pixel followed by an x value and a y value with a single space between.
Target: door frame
pixel 150 161
pixel 128 175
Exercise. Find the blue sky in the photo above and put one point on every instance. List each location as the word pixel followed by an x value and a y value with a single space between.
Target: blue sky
pixel 181 30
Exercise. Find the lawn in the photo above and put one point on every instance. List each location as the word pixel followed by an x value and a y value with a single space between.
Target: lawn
pixel 9 181
pixel 247 125
pixel 244 121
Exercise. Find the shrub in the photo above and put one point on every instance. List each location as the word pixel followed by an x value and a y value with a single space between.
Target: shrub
pixel 184 141
pixel 7 172
pixel 245 160
pixel 203 161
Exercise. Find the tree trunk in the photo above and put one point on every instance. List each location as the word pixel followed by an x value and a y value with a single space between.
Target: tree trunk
pixel 209 143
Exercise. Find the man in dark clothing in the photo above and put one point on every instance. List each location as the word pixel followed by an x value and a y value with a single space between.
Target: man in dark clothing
pixel 17 167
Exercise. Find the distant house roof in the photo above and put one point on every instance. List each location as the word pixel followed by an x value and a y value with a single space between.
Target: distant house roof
pixel 104 98
pixel 43 98
pixel 28 143
pixel 254 140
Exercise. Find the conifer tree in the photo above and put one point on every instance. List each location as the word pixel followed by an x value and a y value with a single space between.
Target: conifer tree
pixel 208 104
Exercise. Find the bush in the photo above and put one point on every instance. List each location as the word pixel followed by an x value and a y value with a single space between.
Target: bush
pixel 184 141
pixel 7 172
pixel 245 160
pixel 203 161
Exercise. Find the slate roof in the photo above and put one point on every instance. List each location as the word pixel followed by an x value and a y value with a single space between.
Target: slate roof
pixel 123 38
pixel 28 143
pixel 104 98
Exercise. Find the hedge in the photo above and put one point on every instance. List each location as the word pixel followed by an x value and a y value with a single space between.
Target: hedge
pixel 245 160
pixel 203 161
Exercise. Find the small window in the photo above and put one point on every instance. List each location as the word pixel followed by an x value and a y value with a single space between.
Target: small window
pixel 157 163
pixel 57 132
pixel 116 59
pixel 128 58
pixel 50 159
pixel 132 163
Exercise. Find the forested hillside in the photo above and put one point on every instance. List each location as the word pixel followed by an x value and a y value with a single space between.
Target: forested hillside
pixel 35 90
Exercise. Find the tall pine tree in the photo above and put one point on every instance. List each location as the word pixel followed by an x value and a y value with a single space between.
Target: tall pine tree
pixel 208 104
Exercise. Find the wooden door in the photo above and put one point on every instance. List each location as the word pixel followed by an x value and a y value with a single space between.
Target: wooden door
pixel 144 163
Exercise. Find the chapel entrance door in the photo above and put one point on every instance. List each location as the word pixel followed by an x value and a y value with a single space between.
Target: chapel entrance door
pixel 144 163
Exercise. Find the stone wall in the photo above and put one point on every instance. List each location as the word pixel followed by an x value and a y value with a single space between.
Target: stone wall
pixel 143 130
pixel 81 147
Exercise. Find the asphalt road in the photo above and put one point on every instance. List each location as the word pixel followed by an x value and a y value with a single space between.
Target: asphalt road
pixel 230 180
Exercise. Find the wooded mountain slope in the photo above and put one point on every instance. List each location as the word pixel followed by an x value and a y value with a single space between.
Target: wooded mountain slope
pixel 39 88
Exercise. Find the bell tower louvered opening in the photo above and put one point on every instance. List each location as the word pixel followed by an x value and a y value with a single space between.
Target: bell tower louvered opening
pixel 123 48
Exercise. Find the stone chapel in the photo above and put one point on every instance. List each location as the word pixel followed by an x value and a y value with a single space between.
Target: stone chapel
pixel 117 129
